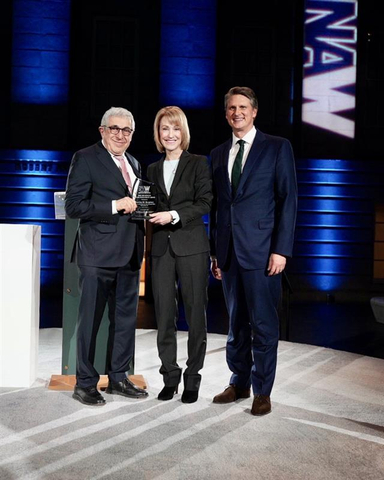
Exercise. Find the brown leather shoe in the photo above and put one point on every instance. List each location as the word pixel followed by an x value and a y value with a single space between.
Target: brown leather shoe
pixel 261 405
pixel 231 394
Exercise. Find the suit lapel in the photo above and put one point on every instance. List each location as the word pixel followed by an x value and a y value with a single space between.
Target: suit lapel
pixel 134 165
pixel 160 176
pixel 106 159
pixel 224 166
pixel 183 162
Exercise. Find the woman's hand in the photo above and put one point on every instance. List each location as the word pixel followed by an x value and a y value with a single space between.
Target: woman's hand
pixel 161 218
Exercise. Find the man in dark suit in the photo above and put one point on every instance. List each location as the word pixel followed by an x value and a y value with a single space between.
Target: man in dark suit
pixel 108 251
pixel 252 233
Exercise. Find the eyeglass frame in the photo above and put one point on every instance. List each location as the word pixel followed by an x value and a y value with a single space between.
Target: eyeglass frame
pixel 126 131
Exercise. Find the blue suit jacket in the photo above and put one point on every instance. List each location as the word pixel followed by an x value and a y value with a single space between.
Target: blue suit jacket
pixel 261 217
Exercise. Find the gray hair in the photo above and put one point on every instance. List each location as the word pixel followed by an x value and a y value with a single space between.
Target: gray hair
pixel 117 112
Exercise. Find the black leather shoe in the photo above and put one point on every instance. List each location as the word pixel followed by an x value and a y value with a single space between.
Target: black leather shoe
pixel 167 393
pixel 190 396
pixel 88 396
pixel 126 388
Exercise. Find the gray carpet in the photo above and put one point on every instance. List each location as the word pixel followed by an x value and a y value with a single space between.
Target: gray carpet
pixel 327 423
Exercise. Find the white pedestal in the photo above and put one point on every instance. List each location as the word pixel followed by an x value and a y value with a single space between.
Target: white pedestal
pixel 19 304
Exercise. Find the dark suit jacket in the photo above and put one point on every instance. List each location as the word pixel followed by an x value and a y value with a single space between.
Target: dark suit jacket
pixel 103 240
pixel 261 217
pixel 191 197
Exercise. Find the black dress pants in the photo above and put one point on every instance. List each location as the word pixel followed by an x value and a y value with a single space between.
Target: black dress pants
pixel 119 287
pixel 192 272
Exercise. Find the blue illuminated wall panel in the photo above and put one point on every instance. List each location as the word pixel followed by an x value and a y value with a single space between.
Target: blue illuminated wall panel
pixel 187 57
pixel 335 226
pixel 28 180
pixel 40 51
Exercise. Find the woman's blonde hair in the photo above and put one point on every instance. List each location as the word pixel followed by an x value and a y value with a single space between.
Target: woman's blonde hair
pixel 176 117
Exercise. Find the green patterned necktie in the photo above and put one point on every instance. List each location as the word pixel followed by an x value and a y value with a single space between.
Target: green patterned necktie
pixel 236 170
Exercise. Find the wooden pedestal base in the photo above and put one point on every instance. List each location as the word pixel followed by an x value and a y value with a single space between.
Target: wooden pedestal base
pixel 67 382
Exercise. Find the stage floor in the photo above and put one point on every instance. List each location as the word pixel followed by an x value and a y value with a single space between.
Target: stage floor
pixel 348 326
pixel 327 422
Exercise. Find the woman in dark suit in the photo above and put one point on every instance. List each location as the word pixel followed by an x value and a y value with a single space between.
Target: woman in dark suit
pixel 180 250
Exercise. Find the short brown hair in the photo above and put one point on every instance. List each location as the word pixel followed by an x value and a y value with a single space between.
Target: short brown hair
pixel 246 91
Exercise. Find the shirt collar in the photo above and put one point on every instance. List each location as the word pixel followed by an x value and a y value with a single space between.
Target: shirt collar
pixel 112 155
pixel 248 138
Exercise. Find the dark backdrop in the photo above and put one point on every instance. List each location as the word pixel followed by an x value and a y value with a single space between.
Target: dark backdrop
pixel 115 60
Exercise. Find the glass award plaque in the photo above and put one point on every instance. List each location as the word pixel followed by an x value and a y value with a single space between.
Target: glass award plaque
pixel 146 200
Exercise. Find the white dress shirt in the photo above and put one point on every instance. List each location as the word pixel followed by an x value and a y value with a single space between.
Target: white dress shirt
pixel 169 172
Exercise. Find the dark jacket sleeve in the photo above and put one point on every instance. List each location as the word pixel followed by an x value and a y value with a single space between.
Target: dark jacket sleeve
pixel 202 195
pixel 81 199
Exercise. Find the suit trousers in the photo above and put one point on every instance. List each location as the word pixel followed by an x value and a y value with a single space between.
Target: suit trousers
pixel 119 287
pixel 192 272
pixel 252 299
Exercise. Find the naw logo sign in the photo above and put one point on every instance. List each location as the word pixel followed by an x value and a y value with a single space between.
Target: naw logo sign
pixel 329 79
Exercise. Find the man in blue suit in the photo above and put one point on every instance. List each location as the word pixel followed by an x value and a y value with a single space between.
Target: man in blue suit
pixel 252 232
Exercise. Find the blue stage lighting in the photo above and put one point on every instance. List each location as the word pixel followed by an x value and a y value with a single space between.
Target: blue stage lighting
pixel 334 233
pixel 187 58
pixel 28 180
pixel 40 51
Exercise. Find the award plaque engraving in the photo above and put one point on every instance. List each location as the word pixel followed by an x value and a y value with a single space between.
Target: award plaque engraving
pixel 146 200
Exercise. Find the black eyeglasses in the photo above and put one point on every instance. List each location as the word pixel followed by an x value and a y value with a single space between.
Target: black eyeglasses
pixel 115 130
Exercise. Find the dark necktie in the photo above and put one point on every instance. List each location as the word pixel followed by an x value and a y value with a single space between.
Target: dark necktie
pixel 236 169
pixel 124 171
